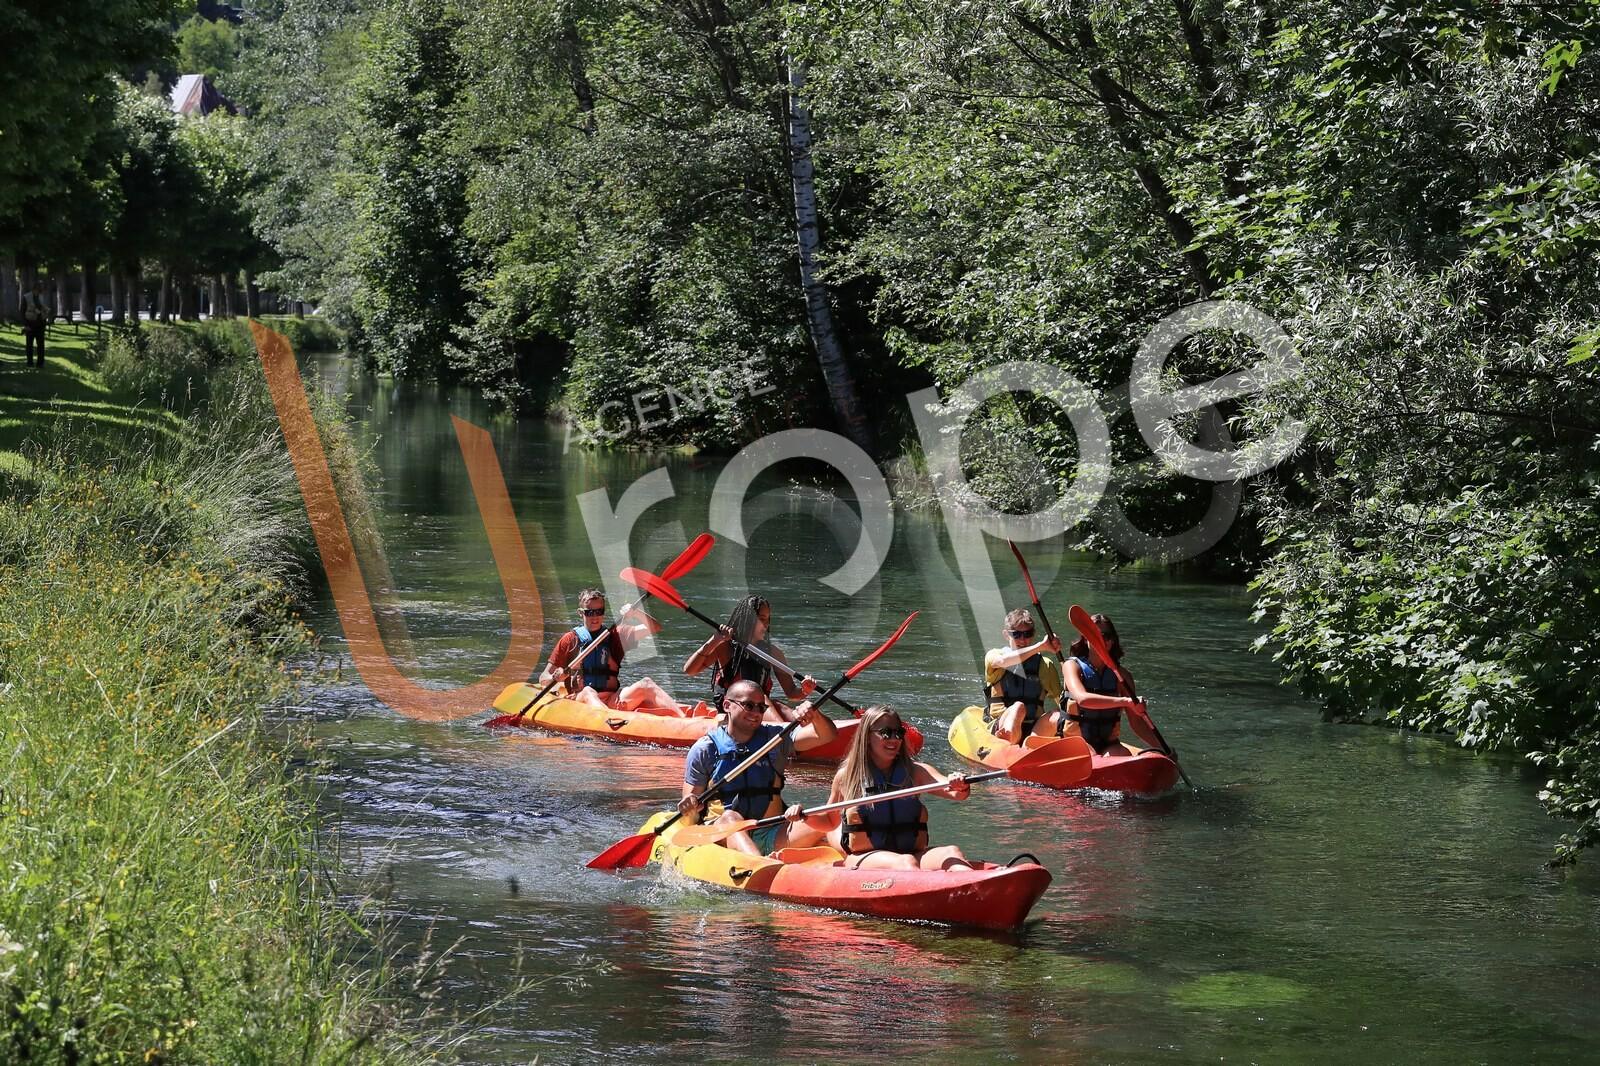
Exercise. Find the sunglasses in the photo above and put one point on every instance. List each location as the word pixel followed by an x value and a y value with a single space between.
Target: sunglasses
pixel 1020 634
pixel 749 705
pixel 594 612
pixel 891 732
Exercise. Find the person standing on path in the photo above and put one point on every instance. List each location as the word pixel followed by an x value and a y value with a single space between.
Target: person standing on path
pixel 35 316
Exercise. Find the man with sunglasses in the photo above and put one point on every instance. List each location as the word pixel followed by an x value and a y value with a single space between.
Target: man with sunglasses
pixel 1019 679
pixel 758 791
pixel 596 678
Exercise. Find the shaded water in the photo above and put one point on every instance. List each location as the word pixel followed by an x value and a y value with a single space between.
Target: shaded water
pixel 1329 892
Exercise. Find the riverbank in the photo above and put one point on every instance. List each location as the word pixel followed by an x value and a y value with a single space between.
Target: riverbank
pixel 164 899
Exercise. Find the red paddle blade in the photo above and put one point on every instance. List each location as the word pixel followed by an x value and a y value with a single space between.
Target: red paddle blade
pixel 694 835
pixel 690 557
pixel 635 851
pixel 501 721
pixel 1083 623
pixel 652 584
pixel 885 646
pixel 1023 563
pixel 1064 763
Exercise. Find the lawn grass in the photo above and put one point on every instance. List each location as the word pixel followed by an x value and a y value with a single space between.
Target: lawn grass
pixel 68 396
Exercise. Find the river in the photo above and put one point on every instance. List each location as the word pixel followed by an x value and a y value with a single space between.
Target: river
pixel 1328 893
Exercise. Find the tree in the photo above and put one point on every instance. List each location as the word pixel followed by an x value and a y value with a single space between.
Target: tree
pixel 207 46
pixel 48 122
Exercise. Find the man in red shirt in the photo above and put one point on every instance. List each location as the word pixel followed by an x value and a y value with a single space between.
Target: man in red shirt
pixel 595 676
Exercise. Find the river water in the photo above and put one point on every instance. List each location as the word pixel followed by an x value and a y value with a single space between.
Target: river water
pixel 1327 894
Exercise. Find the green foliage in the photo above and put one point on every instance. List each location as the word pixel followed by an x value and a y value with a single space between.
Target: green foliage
pixel 409 258
pixel 207 46
pixel 50 115
pixel 173 365
pixel 306 334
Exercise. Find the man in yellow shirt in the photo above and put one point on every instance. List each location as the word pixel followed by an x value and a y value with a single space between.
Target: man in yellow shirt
pixel 1021 682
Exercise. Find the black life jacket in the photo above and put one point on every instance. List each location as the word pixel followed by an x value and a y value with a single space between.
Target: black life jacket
pixel 743 665
pixel 897 825
pixel 1015 687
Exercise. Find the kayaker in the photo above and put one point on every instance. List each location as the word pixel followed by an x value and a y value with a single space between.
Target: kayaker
pixel 727 653
pixel 894 834
pixel 758 792
pixel 1096 702
pixel 1021 684
pixel 595 680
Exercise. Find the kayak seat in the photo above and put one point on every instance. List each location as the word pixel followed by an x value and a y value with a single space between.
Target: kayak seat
pixel 822 854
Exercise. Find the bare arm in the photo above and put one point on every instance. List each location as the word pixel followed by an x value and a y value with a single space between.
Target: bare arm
pixel 1072 677
pixel 1009 657
pixel 816 729
pixel 787 678
pixel 714 650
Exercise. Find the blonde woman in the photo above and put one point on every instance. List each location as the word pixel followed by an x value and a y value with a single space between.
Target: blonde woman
pixel 891 835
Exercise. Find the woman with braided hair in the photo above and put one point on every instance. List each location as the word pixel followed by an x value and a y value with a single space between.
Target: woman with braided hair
pixel 728 653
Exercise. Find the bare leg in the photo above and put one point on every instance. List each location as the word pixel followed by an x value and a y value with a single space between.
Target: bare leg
pixel 1009 727
pixel 948 857
pixel 1047 725
pixel 591 697
pixel 646 695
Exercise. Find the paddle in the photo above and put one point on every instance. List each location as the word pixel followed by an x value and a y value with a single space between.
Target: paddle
pixel 655 586
pixel 686 561
pixel 635 850
pixel 1083 623
pixel 1041 766
pixel 1032 594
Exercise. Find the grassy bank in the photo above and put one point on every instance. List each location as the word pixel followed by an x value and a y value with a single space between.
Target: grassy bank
pixel 159 900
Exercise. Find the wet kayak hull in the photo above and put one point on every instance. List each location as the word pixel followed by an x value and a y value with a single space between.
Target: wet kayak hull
pixel 987 897
pixel 573 718
pixel 1145 773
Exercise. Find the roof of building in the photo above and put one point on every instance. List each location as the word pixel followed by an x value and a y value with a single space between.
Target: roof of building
pixel 195 95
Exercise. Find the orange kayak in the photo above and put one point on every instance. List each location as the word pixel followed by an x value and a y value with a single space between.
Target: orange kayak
pixel 675 730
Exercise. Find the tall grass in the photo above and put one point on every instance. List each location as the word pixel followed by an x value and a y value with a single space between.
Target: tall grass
pixel 159 900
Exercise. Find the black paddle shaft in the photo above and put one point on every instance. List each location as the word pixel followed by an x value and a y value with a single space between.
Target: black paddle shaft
pixel 828 695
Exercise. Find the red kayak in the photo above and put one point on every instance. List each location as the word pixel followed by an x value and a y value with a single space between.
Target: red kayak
pixel 674 730
pixel 1145 773
pixel 986 897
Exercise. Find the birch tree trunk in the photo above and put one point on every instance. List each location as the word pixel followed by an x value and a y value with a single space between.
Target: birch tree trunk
pixel 836 372
pixel 131 290
pixel 63 306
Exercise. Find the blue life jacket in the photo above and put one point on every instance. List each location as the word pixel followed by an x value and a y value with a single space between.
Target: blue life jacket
pixel 897 825
pixel 602 665
pixel 756 792
pixel 1099 727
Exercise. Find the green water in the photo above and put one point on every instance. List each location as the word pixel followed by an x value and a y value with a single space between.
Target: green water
pixel 1328 894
